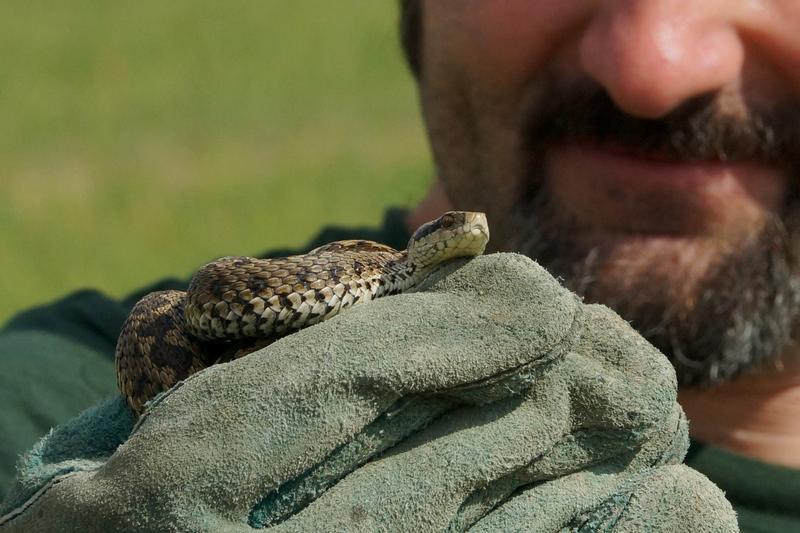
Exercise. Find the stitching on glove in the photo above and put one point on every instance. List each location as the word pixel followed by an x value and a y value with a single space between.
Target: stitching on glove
pixel 517 376
pixel 16 512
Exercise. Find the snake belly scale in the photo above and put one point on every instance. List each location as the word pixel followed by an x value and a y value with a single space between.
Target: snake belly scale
pixel 236 305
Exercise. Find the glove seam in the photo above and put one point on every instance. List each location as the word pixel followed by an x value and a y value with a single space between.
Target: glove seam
pixel 18 511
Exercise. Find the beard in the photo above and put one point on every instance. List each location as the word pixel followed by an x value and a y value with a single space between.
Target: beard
pixel 727 313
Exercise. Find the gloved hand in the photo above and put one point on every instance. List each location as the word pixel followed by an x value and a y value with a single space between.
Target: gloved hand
pixel 490 400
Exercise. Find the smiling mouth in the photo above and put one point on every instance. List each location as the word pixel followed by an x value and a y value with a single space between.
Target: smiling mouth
pixel 654 155
pixel 614 190
pixel 632 164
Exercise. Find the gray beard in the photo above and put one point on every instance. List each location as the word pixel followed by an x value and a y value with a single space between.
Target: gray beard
pixel 747 302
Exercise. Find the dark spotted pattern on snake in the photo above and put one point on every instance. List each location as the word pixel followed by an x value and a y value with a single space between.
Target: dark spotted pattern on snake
pixel 236 305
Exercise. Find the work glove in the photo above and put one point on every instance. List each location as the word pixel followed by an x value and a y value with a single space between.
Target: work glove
pixel 490 399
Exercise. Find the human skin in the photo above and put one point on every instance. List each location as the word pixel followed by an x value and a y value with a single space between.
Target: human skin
pixel 657 219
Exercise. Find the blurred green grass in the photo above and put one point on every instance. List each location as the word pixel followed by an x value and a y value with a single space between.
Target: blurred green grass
pixel 140 139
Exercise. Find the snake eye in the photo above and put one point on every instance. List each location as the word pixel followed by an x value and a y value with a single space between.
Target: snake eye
pixel 447 221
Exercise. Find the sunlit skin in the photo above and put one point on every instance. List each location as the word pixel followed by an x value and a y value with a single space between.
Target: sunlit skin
pixel 482 60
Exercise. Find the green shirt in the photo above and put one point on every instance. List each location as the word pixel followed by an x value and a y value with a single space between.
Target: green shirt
pixel 58 359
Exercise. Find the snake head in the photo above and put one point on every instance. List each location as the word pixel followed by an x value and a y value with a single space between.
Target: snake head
pixel 454 234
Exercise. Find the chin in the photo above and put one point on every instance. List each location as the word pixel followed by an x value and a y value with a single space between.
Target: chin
pixel 667 268
pixel 717 306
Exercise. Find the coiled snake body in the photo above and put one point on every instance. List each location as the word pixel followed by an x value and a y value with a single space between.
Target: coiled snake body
pixel 235 305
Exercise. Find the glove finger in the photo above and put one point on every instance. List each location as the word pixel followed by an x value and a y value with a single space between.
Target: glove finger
pixel 665 498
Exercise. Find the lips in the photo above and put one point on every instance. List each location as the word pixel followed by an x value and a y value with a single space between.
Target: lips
pixel 610 190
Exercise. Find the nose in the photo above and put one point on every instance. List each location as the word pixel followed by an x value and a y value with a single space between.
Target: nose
pixel 652 55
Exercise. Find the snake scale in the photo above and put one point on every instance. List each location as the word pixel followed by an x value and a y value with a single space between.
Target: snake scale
pixel 236 305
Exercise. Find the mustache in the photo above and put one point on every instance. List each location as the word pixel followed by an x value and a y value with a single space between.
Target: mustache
pixel 703 128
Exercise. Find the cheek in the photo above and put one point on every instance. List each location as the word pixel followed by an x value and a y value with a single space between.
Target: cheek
pixel 501 41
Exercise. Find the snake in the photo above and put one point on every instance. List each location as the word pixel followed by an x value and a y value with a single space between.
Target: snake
pixel 237 305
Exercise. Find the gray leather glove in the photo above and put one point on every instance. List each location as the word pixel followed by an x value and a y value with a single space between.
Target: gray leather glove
pixel 491 399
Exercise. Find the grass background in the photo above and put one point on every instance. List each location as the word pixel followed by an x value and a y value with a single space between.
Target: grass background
pixel 141 139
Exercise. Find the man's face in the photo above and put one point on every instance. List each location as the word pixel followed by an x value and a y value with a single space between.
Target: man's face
pixel 646 151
